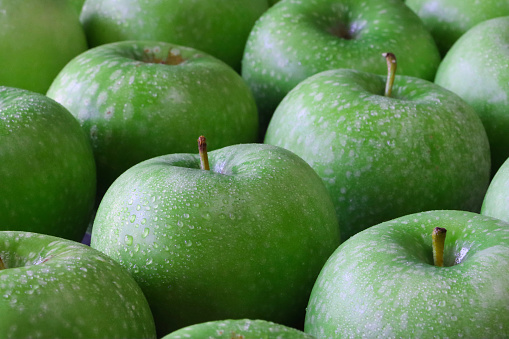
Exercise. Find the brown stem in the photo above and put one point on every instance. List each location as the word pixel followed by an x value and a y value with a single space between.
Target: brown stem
pixel 202 150
pixel 438 241
pixel 391 72
pixel 2 266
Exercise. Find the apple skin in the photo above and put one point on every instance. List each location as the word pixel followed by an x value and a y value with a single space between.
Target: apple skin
pixel 382 281
pixel 243 240
pixel 477 69
pixel 47 167
pixel 238 329
pixel 383 157
pixel 133 108
pixel 297 39
pixel 448 20
pixel 219 28
pixel 57 288
pixel 496 200
pixel 37 39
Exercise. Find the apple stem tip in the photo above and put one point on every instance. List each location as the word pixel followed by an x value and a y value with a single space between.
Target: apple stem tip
pixel 391 72
pixel 438 241
pixel 202 150
pixel 2 266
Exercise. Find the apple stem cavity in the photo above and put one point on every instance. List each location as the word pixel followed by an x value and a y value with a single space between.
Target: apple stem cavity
pixel 202 150
pixel 2 266
pixel 391 72
pixel 438 241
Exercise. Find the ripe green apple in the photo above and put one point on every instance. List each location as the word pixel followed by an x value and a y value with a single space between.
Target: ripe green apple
pixel 56 288
pixel 383 282
pixel 140 99
pixel 37 39
pixel 47 169
pixel 477 69
pixel 382 157
pixel 244 239
pixel 219 28
pixel 496 200
pixel 448 20
pixel 297 39
pixel 238 329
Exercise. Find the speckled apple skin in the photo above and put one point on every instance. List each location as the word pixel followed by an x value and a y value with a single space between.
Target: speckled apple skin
pixel 291 42
pixel 243 240
pixel 496 200
pixel 219 28
pixel 384 157
pixel 477 69
pixel 382 283
pixel 238 329
pixel 47 169
pixel 56 288
pixel 133 110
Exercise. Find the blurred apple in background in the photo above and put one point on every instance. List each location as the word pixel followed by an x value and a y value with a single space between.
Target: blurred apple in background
pixel 477 69
pixel 496 201
pixel 219 28
pixel 448 20
pixel 56 288
pixel 297 39
pixel 244 239
pixel 37 39
pixel 47 169
pixel 140 99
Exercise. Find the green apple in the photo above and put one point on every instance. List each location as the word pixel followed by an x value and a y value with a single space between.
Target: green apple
pixel 496 200
pixel 238 329
pixel 77 4
pixel 139 99
pixel 383 282
pixel 47 169
pixel 56 288
pixel 37 39
pixel 297 39
pixel 244 239
pixel 219 28
pixel 477 69
pixel 384 156
pixel 447 20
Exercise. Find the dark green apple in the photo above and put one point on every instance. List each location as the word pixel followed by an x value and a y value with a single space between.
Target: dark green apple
pixel 244 239
pixel 477 69
pixel 37 39
pixel 383 156
pixel 56 288
pixel 496 200
pixel 238 329
pixel 47 169
pixel 297 39
pixel 385 282
pixel 140 99
pixel 219 28
pixel 448 20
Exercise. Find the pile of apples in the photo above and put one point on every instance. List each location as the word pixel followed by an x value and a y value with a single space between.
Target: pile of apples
pixel 254 169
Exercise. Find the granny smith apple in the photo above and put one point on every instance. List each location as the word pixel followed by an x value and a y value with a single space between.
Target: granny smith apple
pixel 219 28
pixel 238 329
pixel 242 237
pixel 496 200
pixel 47 169
pixel 139 99
pixel 448 20
pixel 77 4
pixel 297 39
pixel 477 69
pixel 385 151
pixel 37 39
pixel 384 282
pixel 56 288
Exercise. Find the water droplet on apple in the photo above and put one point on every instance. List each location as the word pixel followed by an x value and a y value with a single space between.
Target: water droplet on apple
pixel 146 231
pixel 128 240
pixel 133 218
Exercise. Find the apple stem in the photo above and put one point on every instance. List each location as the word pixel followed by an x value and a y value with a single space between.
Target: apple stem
pixel 391 72
pixel 202 150
pixel 438 241
pixel 2 266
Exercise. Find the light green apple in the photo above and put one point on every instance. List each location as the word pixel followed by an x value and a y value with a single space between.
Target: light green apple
pixel 496 200
pixel 37 39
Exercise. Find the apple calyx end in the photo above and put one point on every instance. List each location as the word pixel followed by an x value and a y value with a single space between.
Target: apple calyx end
pixel 391 72
pixel 173 58
pixel 202 150
pixel 438 244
